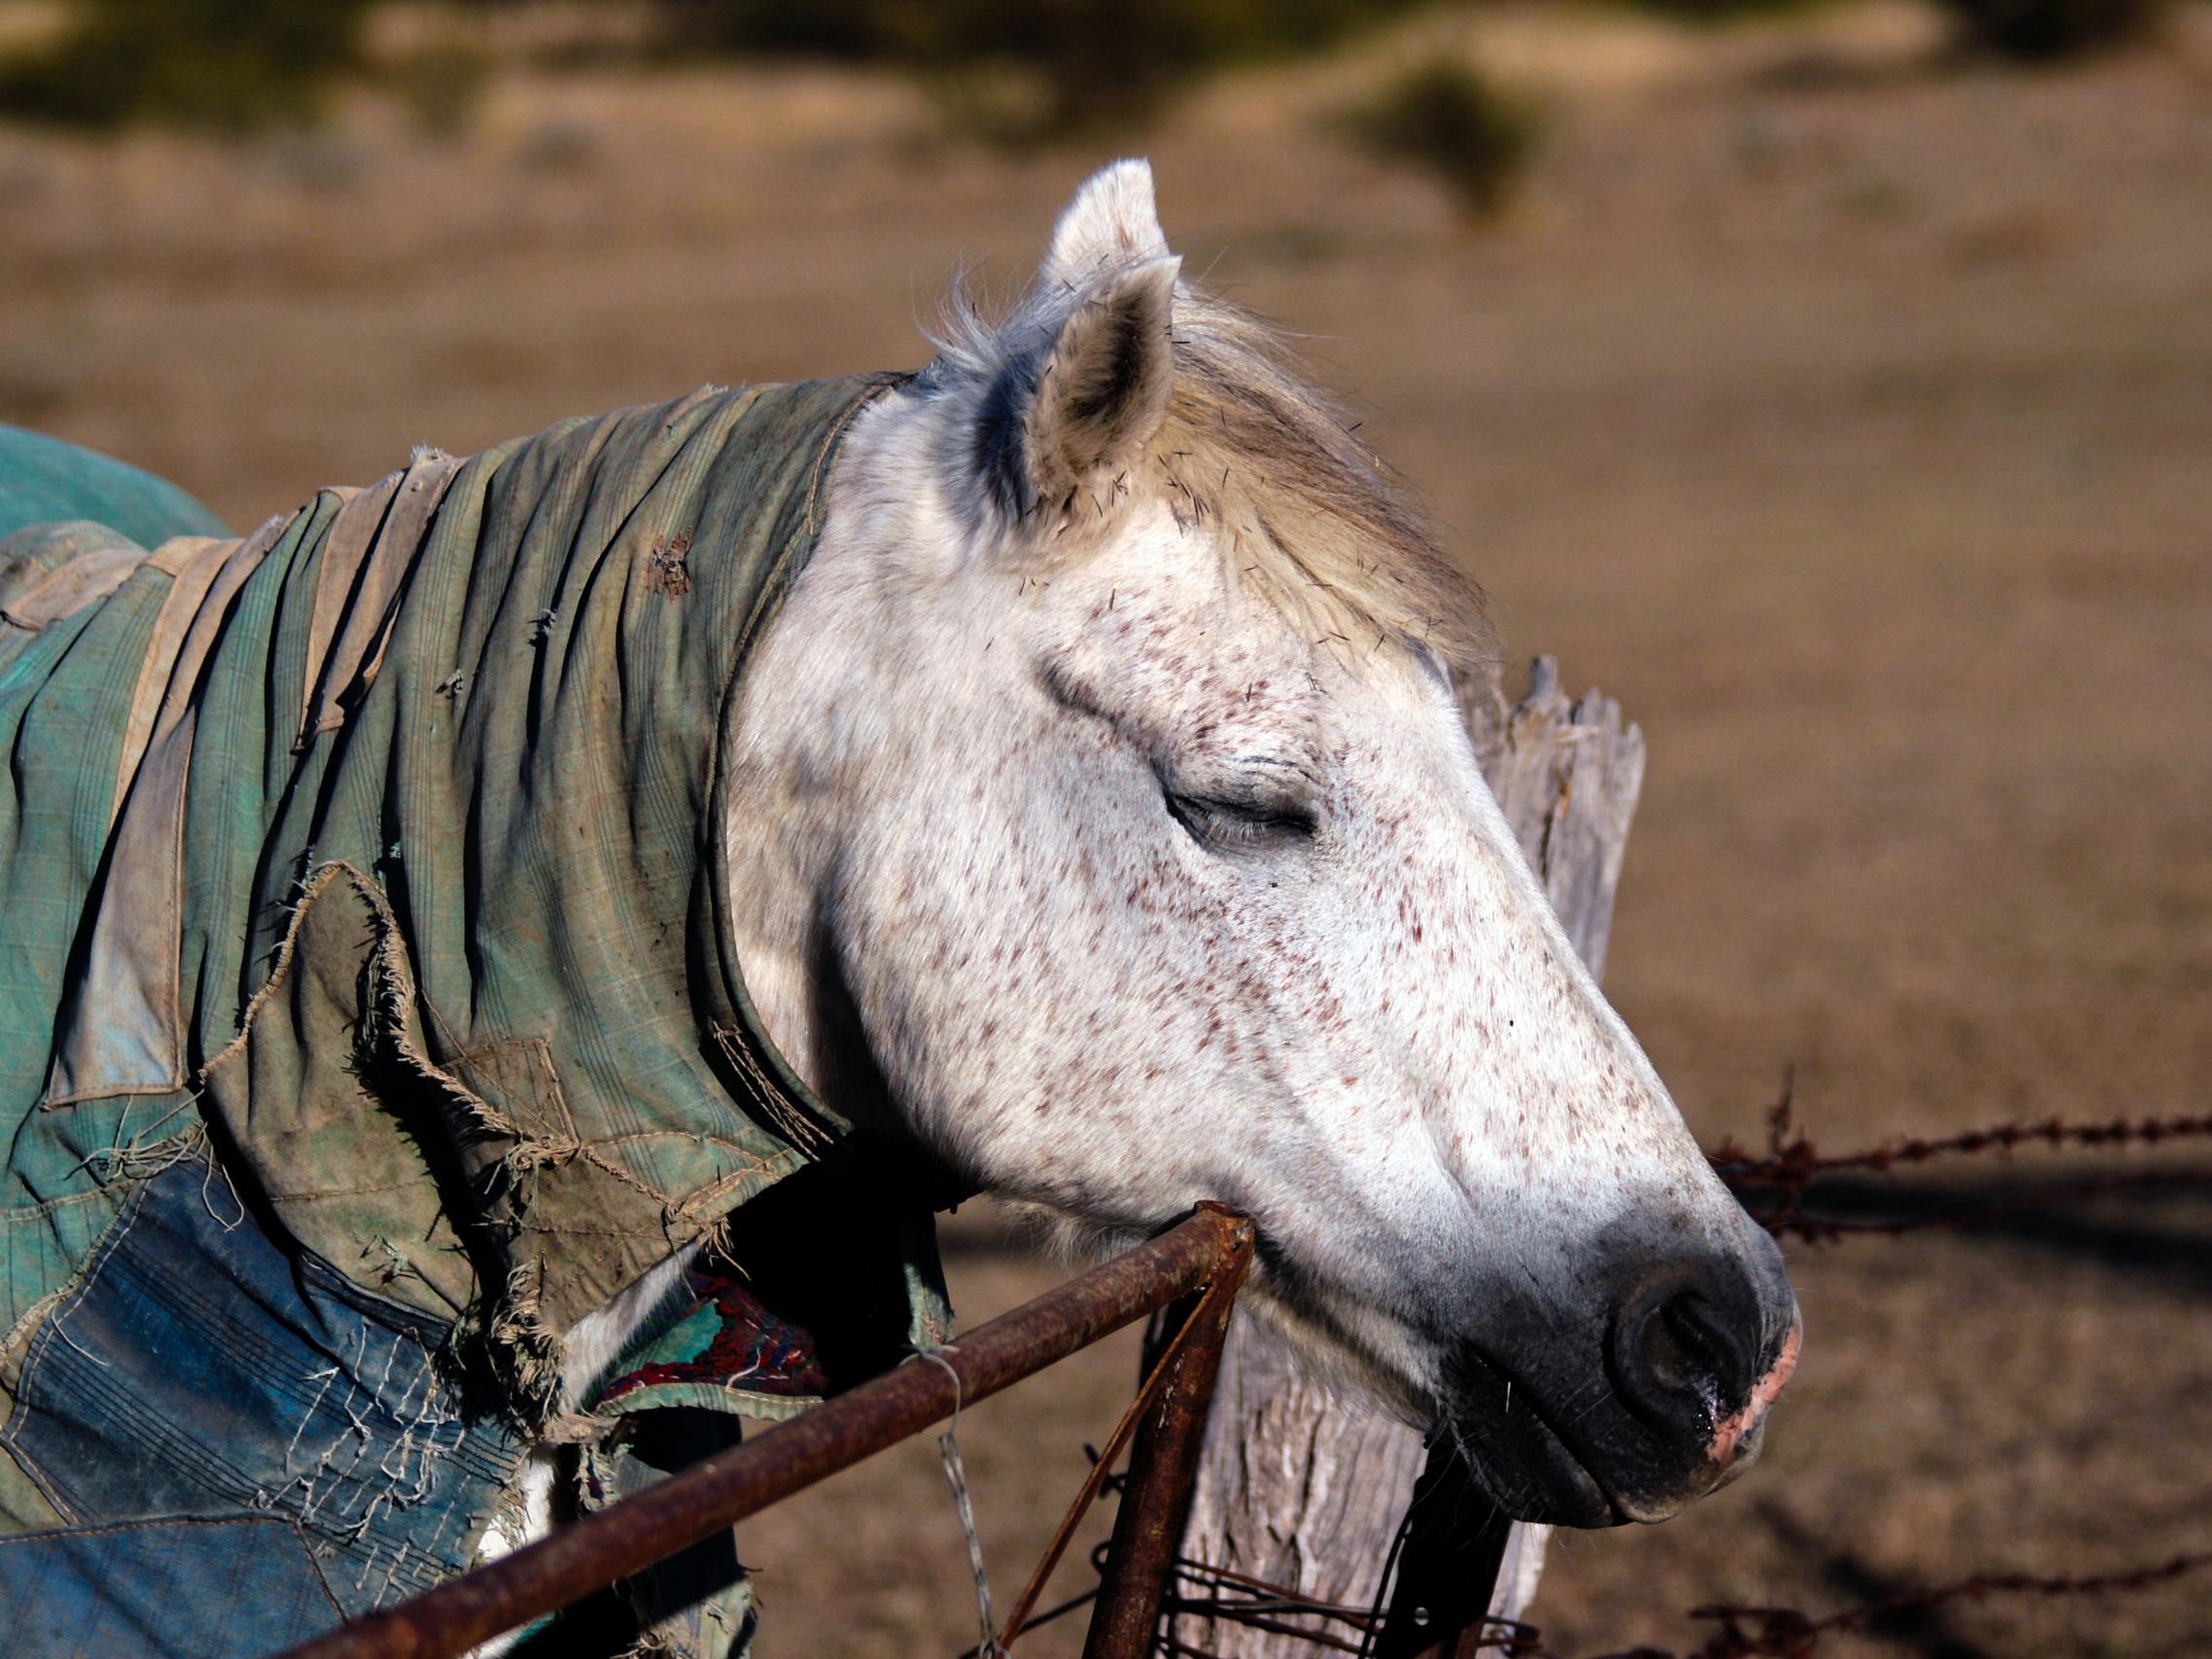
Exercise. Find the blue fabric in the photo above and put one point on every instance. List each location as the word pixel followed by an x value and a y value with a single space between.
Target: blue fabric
pixel 191 1587
pixel 201 1370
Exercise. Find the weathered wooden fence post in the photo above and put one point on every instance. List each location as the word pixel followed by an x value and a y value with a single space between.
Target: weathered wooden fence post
pixel 1296 1485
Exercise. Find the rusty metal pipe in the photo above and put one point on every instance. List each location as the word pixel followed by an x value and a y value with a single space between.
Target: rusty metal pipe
pixel 716 1492
pixel 1162 1464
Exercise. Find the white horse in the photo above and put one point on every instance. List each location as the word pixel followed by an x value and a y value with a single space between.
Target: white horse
pixel 1103 816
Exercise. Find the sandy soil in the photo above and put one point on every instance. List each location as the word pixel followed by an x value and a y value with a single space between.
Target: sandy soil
pixel 1845 413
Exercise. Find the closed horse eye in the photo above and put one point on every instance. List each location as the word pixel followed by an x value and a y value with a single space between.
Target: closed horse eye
pixel 1231 822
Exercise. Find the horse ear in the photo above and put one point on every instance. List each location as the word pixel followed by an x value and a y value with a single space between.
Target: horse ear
pixel 1081 414
pixel 1110 222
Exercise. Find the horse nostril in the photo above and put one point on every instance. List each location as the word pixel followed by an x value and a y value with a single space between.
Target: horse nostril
pixel 1684 1347
pixel 1687 1353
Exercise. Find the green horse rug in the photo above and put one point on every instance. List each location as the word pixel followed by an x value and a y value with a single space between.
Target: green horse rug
pixel 367 1016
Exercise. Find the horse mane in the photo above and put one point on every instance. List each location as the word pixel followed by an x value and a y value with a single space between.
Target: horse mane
pixel 1306 515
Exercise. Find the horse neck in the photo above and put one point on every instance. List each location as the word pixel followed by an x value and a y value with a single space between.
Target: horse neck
pixel 808 728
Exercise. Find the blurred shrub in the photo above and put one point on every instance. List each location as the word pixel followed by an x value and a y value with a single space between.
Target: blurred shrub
pixel 1001 103
pixel 2043 29
pixel 442 84
pixel 1445 115
pixel 1091 63
pixel 234 66
pixel 1725 11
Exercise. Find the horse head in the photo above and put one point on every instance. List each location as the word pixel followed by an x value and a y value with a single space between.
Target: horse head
pixel 1105 824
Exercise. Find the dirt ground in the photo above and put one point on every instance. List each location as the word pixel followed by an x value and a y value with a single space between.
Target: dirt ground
pixel 1845 412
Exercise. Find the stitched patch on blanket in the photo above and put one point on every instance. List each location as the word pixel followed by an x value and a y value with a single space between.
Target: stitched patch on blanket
pixel 203 1370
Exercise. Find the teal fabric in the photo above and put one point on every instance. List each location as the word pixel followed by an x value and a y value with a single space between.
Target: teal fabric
pixel 377 857
pixel 44 481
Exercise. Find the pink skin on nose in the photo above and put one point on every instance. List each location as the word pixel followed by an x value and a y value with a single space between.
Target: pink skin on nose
pixel 1726 1437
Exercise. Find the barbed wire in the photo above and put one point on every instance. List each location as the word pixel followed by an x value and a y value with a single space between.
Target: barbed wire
pixel 1776 1188
pixel 1793 1157
pixel 1200 1590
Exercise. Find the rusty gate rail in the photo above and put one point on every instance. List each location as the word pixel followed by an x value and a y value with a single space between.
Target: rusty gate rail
pixel 1213 1249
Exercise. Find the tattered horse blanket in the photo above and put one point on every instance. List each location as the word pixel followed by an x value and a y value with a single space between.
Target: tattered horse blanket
pixel 368 1015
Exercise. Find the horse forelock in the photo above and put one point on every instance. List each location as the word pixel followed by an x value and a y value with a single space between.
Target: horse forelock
pixel 1251 450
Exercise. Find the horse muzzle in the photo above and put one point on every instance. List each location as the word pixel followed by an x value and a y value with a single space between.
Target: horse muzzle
pixel 1690 1357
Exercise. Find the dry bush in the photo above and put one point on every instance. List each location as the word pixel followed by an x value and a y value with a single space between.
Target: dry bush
pixel 1725 11
pixel 1457 123
pixel 1079 65
pixel 2038 30
pixel 442 84
pixel 232 65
